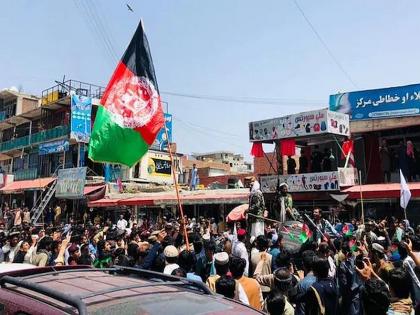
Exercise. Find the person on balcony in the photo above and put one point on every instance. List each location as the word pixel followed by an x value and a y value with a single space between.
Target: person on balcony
pixel 385 158
pixel 291 165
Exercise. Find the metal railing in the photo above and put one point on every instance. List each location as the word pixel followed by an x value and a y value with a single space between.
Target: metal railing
pixel 63 89
pixel 39 137
pixel 24 174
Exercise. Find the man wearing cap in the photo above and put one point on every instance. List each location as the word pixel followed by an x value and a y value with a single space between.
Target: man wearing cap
pixel 221 262
pixel 171 256
pixel 256 209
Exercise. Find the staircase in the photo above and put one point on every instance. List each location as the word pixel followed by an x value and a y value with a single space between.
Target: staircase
pixel 42 203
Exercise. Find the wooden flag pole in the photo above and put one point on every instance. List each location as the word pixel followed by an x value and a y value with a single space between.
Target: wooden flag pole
pixel 177 188
pixel 361 197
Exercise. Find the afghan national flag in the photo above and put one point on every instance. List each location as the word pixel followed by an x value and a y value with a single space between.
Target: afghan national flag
pixel 347 230
pixel 353 246
pixel 291 235
pixel 131 113
pixel 306 233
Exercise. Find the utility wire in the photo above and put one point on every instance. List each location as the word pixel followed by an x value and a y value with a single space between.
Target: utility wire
pixel 330 53
pixel 248 100
pixel 220 133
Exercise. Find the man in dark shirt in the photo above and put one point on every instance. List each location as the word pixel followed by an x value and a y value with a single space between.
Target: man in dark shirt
pixel 322 296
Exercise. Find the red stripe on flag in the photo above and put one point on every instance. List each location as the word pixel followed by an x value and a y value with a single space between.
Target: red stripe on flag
pixel 152 128
pixel 120 71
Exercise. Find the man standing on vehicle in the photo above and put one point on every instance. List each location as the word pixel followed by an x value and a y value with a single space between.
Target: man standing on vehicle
pixel 285 202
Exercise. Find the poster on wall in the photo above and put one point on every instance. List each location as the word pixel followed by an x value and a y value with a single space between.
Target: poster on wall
pixel 310 123
pixel 53 147
pixel 324 181
pixel 71 183
pixel 161 142
pixel 159 167
pixel 81 109
pixel 380 103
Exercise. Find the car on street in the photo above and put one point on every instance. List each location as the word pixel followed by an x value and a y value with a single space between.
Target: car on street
pixel 117 290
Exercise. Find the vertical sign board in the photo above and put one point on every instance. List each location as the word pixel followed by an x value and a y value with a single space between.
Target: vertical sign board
pixel 161 141
pixel 380 103
pixel 81 109
pixel 71 183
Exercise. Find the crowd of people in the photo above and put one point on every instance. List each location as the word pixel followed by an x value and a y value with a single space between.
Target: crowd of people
pixel 350 268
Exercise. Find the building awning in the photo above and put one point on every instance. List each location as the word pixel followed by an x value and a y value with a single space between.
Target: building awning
pixel 381 191
pixel 22 185
pixel 90 189
pixel 169 199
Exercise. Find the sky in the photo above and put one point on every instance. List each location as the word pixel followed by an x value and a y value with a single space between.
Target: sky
pixel 253 52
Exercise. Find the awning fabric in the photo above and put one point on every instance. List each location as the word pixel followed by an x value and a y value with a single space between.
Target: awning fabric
pixel 90 189
pixel 34 184
pixel 381 191
pixel 170 199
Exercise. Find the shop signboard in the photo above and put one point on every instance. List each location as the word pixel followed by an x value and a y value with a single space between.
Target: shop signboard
pixel 159 167
pixel 347 176
pixel 71 183
pixel 380 103
pixel 81 109
pixel 305 124
pixel 161 142
pixel 53 147
pixel 323 181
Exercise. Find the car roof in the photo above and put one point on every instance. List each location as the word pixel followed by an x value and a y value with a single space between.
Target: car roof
pixel 125 291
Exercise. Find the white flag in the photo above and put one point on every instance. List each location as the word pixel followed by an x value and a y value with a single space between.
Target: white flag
pixel 405 192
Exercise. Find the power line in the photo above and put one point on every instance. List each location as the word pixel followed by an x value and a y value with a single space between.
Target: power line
pixel 188 128
pixel 330 53
pixel 248 100
pixel 91 25
pixel 104 27
pixel 221 133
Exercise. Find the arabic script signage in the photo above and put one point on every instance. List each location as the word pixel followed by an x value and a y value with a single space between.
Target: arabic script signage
pixel 71 183
pixel 324 181
pixel 300 125
pixel 381 103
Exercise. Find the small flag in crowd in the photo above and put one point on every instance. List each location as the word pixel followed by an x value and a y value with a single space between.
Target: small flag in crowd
pixel 405 192
pixel 352 245
pixel 347 230
pixel 291 235
pixel 306 233
pixel 131 113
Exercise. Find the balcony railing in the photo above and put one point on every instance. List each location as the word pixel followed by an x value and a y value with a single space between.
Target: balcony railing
pixel 35 138
pixel 30 173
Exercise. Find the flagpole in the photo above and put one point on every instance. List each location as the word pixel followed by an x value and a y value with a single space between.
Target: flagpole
pixel 361 197
pixel 177 187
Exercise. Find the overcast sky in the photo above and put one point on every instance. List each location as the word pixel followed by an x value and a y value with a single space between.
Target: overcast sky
pixel 240 50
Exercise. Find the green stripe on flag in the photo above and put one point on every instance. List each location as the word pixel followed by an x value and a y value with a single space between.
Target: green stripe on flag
pixel 112 143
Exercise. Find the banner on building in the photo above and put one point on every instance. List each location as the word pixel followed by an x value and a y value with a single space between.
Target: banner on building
pixel 305 124
pixel 324 181
pixel 348 176
pixel 161 142
pixel 380 103
pixel 81 109
pixel 159 167
pixel 53 147
pixel 71 183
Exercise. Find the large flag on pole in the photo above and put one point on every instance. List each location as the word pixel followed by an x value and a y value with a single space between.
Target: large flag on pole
pixel 405 192
pixel 131 113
